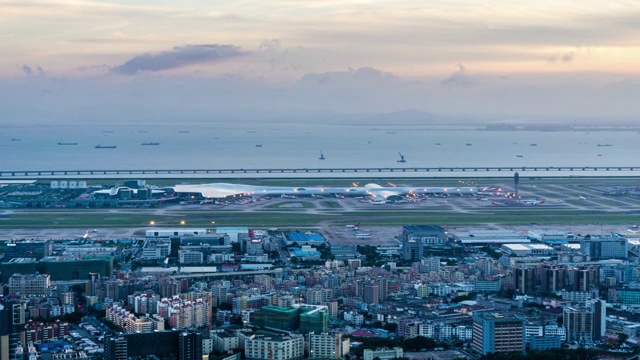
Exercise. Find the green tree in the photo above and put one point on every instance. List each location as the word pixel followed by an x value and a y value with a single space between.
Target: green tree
pixel 418 343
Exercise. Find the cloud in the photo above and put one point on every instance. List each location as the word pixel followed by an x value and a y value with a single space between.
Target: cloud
pixel 460 78
pixel 92 67
pixel 28 70
pixel 179 56
pixel 565 58
pixel 362 75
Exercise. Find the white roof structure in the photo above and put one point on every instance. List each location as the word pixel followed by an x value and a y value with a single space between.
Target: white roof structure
pixel 224 190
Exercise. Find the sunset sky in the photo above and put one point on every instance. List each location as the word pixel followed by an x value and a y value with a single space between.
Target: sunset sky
pixel 510 58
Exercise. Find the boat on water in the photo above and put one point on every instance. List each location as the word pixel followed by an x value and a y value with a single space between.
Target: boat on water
pixel 518 155
pixel 438 144
pixel 258 145
pixel 534 144
pixel 150 143
pixel 184 131
pixel 468 144
pixel 402 159
pixel 599 154
pixel 16 139
pixel 600 145
pixel 105 146
pixel 321 156
pixel 67 143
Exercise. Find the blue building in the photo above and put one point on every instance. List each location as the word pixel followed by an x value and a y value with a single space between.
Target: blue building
pixel 545 342
pixel 497 333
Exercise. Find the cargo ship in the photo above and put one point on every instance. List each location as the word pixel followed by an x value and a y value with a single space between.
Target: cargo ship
pixel 67 143
pixel 150 143
pixel 105 146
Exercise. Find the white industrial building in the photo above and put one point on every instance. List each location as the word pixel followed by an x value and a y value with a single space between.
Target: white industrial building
pixel 173 232
pixel 527 249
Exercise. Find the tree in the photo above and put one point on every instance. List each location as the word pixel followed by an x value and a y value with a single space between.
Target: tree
pixel 622 338
pixel 418 343
pixel 391 327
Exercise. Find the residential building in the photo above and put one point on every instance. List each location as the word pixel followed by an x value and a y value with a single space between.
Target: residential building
pixel 327 346
pixel 268 346
pixel 578 322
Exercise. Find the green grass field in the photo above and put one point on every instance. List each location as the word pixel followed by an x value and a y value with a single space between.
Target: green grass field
pixel 282 219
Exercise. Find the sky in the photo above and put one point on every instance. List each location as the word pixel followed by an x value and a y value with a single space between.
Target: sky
pixel 502 59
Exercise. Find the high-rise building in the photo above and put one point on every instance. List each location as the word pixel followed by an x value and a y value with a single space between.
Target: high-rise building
pixel 552 278
pixel 115 348
pixel 383 288
pixel 495 333
pixel 525 280
pixel 578 322
pixel 5 325
pixel 189 346
pixel 327 346
pixel 371 293
pixel 599 309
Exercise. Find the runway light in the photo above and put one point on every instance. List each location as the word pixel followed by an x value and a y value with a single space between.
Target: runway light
pixel 182 222
pixel 152 222
pixel 213 222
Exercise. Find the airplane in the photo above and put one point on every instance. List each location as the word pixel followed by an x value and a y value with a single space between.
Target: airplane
pixel 355 227
pixel 284 196
pixel 361 235
pixel 378 201
pixel 85 236
pixel 532 202
pixel 495 203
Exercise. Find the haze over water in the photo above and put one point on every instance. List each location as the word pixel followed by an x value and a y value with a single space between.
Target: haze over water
pixel 233 146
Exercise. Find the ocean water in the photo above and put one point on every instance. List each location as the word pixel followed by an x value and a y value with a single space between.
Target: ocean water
pixel 196 146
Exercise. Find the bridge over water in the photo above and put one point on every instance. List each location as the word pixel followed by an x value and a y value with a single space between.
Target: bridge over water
pixel 424 171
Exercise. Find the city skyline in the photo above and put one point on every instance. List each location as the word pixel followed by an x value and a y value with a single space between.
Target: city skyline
pixel 559 60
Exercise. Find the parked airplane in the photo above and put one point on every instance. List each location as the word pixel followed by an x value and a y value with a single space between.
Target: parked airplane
pixel 533 202
pixel 284 196
pixel 355 227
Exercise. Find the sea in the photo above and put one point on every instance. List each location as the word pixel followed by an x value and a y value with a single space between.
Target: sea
pixel 235 145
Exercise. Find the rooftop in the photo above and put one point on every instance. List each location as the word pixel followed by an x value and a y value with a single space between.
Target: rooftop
pixel 417 228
